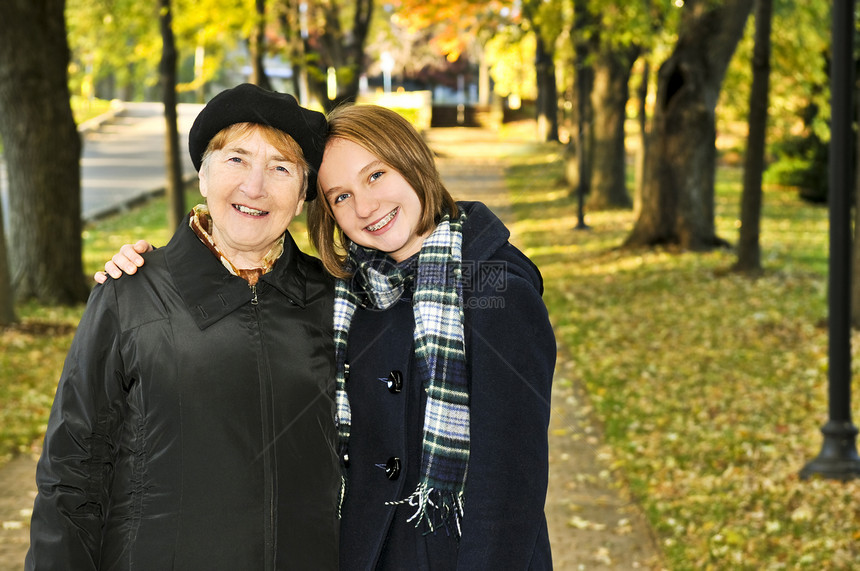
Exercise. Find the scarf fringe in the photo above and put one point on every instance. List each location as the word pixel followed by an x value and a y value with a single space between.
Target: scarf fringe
pixel 341 496
pixel 434 508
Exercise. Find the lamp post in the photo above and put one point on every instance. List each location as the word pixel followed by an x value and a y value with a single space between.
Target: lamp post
pixel 583 129
pixel 331 83
pixel 838 458
pixel 304 92
pixel 386 62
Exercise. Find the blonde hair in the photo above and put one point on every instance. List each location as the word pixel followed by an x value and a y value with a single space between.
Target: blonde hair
pixel 284 144
pixel 395 142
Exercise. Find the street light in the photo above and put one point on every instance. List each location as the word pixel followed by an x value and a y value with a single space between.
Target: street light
pixel 331 84
pixel 838 457
pixel 387 64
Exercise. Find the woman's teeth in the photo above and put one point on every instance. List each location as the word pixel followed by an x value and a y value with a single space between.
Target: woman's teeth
pixel 251 211
pixel 384 221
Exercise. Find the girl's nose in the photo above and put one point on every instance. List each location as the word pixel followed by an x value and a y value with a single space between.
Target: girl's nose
pixel 365 204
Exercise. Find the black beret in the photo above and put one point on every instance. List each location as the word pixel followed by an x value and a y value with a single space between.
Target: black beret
pixel 248 103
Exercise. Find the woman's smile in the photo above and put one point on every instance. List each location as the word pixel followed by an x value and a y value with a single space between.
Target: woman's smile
pixel 250 211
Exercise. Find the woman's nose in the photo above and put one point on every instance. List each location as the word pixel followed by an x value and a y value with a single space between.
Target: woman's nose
pixel 254 184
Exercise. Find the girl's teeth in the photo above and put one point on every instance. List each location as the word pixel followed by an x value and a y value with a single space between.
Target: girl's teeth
pixel 383 222
pixel 251 211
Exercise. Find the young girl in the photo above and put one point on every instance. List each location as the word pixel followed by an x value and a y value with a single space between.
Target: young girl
pixel 445 357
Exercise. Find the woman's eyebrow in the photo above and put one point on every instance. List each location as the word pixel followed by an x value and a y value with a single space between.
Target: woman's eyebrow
pixel 283 159
pixel 238 150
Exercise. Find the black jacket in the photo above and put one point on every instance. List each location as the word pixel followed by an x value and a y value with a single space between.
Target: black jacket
pixel 510 351
pixel 193 423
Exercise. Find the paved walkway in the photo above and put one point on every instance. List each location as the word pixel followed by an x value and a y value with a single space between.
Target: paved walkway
pixel 593 523
pixel 17 492
pixel 123 157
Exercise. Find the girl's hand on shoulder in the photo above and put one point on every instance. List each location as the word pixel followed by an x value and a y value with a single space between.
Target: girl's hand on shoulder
pixel 127 260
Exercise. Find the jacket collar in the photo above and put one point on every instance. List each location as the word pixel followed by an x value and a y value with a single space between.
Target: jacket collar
pixel 211 292
pixel 485 237
pixel 483 232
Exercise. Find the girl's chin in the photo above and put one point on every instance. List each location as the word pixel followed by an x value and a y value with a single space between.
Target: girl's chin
pixel 380 247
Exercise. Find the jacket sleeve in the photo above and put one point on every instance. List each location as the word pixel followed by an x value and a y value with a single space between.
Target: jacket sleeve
pixel 512 358
pixel 74 472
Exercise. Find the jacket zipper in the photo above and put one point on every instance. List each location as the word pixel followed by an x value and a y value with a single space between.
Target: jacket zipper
pixel 268 455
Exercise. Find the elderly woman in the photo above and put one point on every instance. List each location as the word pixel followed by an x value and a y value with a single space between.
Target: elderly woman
pixel 192 426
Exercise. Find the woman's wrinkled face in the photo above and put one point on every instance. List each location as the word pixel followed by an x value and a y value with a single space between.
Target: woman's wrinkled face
pixel 371 202
pixel 253 193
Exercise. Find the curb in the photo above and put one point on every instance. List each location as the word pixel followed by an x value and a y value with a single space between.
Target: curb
pixel 133 201
pixel 117 108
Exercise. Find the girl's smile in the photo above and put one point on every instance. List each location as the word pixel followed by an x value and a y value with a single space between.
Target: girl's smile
pixel 382 223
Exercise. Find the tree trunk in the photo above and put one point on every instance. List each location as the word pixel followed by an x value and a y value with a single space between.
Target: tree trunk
pixel 678 191
pixel 294 30
pixel 7 297
pixel 355 52
pixel 749 248
pixel 609 103
pixel 485 90
pixel 547 91
pixel 340 50
pixel 642 117
pixel 855 256
pixel 43 150
pixel 175 190
pixel 257 47
pixel 579 161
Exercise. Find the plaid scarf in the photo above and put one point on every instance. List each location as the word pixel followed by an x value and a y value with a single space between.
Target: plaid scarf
pixel 440 352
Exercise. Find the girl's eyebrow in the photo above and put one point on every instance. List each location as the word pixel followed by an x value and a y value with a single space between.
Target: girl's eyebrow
pixel 372 165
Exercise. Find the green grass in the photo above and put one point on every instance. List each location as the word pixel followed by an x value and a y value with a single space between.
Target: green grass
pixel 711 386
pixel 32 352
pixel 84 109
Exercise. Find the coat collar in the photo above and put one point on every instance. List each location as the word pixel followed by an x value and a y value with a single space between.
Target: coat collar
pixel 483 232
pixel 211 292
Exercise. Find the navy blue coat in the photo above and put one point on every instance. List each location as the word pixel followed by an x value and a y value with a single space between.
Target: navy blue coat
pixel 511 353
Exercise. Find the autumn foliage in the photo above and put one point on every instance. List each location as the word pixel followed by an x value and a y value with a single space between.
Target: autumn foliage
pixel 712 387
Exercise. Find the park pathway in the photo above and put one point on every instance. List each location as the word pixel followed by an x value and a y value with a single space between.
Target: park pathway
pixel 122 160
pixel 17 491
pixel 593 523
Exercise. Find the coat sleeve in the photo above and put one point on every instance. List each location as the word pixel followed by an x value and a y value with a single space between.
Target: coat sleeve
pixel 75 470
pixel 512 358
